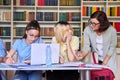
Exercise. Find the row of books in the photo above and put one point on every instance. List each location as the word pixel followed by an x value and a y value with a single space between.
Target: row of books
pixel 5 16
pixel 23 16
pixel 62 2
pixel 87 11
pixel 42 2
pixel 40 16
pixel 113 0
pixel 70 16
pixel 77 31
pixel 46 16
pixel 44 31
pixel 70 2
pixel 94 0
pixel 113 11
pixel 47 31
pixel 24 2
pixel 101 0
pixel 18 31
pixel 5 31
pixel 116 25
pixel 47 2
pixel 5 2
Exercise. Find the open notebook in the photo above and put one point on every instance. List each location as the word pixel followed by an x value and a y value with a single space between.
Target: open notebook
pixel 38 53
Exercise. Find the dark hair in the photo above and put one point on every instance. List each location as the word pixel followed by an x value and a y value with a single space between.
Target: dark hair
pixel 102 18
pixel 32 25
pixel 62 23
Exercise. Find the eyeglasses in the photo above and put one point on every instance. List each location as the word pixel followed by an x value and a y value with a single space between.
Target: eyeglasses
pixel 92 23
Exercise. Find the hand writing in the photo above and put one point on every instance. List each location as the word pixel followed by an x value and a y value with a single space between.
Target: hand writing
pixel 9 60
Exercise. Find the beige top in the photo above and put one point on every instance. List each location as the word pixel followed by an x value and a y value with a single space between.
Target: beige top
pixel 74 45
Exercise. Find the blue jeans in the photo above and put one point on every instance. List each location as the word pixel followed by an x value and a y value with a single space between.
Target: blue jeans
pixel 2 75
pixel 28 75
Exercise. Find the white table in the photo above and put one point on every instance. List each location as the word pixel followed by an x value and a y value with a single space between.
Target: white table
pixel 54 67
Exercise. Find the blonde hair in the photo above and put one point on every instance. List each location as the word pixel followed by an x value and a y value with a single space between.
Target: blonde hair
pixel 60 30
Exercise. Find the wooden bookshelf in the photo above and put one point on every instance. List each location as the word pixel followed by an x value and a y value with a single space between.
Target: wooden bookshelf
pixel 15 14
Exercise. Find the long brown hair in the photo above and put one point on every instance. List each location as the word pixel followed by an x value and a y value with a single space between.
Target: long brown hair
pixel 32 25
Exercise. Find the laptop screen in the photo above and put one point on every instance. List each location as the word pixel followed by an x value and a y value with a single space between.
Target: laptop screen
pixel 38 53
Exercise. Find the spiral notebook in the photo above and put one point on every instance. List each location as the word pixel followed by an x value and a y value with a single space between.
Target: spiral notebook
pixel 38 53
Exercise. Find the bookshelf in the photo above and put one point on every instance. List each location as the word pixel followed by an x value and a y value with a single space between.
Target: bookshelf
pixel 113 10
pixel 5 22
pixel 15 14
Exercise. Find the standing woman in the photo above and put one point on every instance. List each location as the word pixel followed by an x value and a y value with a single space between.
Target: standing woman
pixel 101 38
pixel 69 45
pixel 23 49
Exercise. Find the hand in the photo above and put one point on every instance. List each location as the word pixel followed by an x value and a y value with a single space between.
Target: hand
pixel 79 56
pixel 68 39
pixel 9 60
pixel 62 60
pixel 67 36
pixel 27 61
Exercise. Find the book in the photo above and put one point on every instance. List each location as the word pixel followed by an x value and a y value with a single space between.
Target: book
pixel 31 16
pixel 117 26
pixel 62 17
pixel 40 3
pixel 76 16
pixel 39 16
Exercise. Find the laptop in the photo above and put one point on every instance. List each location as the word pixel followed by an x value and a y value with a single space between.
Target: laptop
pixel 38 53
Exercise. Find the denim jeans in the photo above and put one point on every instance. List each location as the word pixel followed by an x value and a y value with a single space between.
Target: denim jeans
pixel 2 75
pixel 28 75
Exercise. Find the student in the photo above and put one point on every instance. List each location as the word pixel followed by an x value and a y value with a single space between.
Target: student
pixel 101 38
pixel 2 55
pixel 69 45
pixel 22 47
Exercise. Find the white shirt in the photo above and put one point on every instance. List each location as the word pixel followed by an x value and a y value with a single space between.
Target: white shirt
pixel 99 41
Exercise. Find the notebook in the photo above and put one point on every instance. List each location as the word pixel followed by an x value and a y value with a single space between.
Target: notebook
pixel 38 53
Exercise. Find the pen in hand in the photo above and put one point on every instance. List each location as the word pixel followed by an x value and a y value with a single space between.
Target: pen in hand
pixel 8 59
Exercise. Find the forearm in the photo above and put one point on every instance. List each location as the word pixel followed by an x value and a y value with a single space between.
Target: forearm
pixel 106 59
pixel 9 57
pixel 70 53
pixel 1 59
pixel 10 53
pixel 80 55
